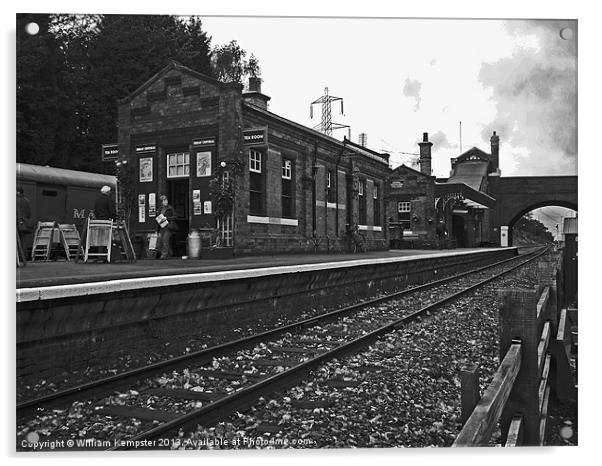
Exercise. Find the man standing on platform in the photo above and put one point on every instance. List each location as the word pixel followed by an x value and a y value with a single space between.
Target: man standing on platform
pixel 104 207
pixel 166 220
pixel 24 226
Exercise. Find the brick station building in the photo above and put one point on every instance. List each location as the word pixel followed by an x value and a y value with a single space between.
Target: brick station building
pixel 424 211
pixel 295 189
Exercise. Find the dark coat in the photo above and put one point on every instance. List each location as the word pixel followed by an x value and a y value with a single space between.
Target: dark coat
pixel 23 213
pixel 104 208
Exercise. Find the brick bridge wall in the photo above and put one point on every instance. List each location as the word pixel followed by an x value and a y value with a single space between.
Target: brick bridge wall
pixel 518 195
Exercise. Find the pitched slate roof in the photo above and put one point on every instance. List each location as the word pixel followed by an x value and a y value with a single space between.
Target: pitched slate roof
pixel 174 65
pixel 471 173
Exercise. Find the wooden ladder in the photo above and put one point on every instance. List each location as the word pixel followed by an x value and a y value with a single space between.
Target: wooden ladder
pixel 70 240
pixel 123 238
pixel 42 240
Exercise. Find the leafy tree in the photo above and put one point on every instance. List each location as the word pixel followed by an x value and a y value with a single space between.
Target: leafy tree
pixel 39 102
pixel 230 65
pixel 71 76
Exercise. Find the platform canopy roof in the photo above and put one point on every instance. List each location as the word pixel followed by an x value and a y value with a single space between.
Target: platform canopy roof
pixel 471 173
pixel 461 191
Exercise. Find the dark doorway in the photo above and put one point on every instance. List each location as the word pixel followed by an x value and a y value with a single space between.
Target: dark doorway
pixel 178 195
pixel 458 231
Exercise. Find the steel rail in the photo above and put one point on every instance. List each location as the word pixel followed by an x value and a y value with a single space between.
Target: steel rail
pixel 98 388
pixel 246 397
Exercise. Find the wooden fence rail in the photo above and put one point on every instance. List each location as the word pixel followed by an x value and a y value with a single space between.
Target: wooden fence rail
pixel 535 353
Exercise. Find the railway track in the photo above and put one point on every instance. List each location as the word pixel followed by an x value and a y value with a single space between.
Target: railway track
pixel 206 386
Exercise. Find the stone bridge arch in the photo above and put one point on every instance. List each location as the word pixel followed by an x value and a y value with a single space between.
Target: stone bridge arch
pixel 515 196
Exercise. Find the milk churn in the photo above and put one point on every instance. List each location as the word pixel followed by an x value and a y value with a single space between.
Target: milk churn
pixel 194 244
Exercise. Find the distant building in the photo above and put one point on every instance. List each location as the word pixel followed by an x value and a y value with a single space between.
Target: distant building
pixel 454 212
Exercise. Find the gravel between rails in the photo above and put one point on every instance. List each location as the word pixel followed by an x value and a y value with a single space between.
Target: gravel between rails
pixel 408 395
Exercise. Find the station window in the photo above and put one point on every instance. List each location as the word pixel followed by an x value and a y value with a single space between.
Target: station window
pixel 255 161
pixel 376 204
pixel 178 164
pixel 256 183
pixel 288 192
pixel 331 191
pixel 362 202
pixel 287 169
pixel 404 210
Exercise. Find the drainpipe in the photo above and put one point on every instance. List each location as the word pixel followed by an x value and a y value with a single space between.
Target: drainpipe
pixel 326 211
pixel 313 188
pixel 336 189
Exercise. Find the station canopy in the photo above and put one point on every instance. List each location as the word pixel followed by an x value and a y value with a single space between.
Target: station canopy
pixel 468 196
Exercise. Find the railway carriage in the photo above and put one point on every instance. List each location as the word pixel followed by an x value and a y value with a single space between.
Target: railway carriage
pixel 60 195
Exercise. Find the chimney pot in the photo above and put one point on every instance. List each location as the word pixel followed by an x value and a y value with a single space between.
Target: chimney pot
pixel 254 95
pixel 254 84
pixel 425 154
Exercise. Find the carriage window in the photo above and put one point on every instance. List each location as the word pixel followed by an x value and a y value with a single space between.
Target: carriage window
pixel 48 193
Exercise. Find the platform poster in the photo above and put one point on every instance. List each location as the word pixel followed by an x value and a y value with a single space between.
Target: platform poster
pixel 146 169
pixel 152 205
pixel 207 207
pixel 196 202
pixel 141 208
pixel 203 164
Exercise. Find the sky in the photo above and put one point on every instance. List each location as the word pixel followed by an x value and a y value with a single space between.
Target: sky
pixel 401 77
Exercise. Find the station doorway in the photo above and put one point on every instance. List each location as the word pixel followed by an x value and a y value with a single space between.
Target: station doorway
pixel 178 196
pixel 458 231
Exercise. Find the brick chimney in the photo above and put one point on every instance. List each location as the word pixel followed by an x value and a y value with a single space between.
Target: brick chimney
pixel 254 95
pixel 425 154
pixel 495 155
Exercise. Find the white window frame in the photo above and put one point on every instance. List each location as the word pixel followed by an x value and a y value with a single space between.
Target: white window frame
pixel 287 169
pixel 328 185
pixel 185 164
pixel 255 160
pixel 404 207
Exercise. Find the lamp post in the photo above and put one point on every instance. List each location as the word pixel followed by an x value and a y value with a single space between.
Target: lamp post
pixel 121 164
pixel 226 179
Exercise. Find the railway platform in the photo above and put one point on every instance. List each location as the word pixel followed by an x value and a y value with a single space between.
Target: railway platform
pixel 53 273
pixel 71 316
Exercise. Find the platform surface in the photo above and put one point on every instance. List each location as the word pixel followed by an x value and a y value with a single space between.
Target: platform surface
pixel 45 274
